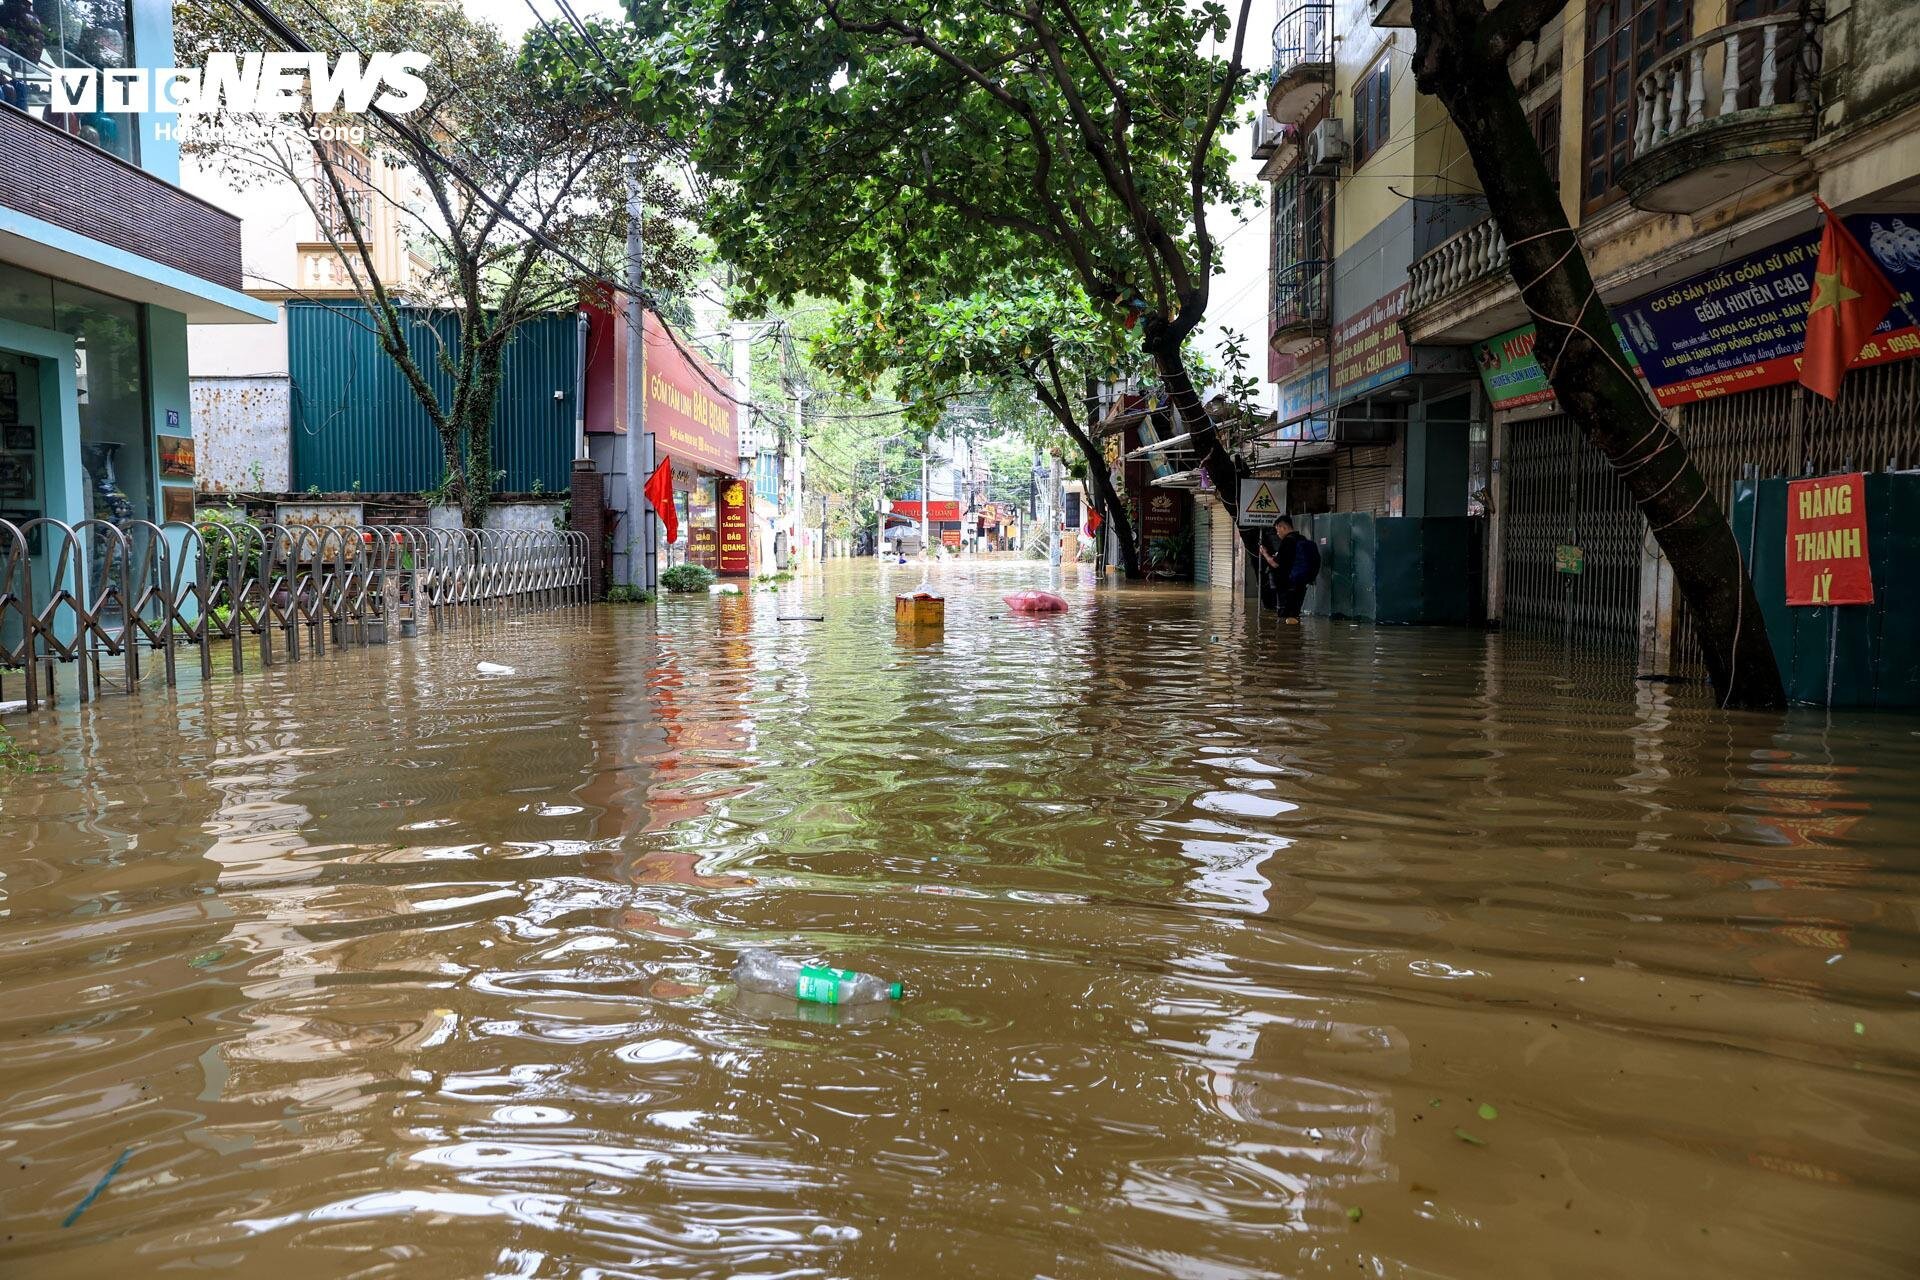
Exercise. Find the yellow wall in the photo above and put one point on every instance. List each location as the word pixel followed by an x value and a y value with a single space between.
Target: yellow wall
pixel 1423 156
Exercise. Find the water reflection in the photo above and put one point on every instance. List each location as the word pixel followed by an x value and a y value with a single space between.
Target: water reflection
pixel 1216 936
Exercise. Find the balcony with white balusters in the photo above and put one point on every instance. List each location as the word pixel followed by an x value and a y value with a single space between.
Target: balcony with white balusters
pixel 1723 112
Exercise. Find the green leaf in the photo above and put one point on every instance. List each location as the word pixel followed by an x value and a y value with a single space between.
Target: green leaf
pixel 1354 1214
pixel 206 958
pixel 1464 1136
pixel 1488 1111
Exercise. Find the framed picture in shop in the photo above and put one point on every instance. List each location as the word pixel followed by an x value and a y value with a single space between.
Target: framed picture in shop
pixel 177 504
pixel 9 399
pixel 18 519
pixel 16 437
pixel 176 457
pixel 16 477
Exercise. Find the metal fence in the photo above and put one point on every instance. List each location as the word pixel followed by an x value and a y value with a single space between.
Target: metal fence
pixel 96 595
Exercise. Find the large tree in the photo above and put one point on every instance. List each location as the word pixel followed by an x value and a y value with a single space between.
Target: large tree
pixel 1461 58
pixel 863 142
pixel 1020 336
pixel 513 196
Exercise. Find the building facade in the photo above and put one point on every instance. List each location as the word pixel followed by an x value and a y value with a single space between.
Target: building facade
pixel 291 219
pixel 104 263
pixel 1689 139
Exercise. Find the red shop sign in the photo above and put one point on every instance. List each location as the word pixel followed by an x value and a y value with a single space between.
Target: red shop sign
pixel 937 510
pixel 733 528
pixel 1827 541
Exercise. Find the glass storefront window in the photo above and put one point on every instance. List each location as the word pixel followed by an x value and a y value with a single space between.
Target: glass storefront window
pixel 40 37
pixel 116 440
pixel 26 297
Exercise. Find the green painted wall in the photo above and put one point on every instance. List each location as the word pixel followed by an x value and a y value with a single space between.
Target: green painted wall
pixel 356 422
pixel 1865 655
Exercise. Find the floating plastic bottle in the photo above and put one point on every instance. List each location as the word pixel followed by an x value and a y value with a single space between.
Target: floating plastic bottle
pixel 760 970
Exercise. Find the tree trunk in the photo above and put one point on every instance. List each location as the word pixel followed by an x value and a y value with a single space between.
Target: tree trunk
pixel 1112 509
pixel 1224 468
pixel 1457 62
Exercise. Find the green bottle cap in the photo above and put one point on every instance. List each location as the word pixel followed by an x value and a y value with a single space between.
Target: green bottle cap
pixel 893 991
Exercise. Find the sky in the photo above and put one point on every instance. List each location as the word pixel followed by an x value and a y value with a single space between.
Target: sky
pixel 1239 301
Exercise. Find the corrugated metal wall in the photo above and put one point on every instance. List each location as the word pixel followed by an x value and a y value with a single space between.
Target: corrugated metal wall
pixel 355 421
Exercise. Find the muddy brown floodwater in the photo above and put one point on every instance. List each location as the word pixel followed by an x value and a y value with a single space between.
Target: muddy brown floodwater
pixel 1229 951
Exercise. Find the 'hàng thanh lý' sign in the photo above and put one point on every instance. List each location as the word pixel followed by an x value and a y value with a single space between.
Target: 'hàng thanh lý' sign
pixel 1827 541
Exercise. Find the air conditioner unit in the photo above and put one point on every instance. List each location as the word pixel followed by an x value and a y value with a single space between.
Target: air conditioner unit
pixel 1326 147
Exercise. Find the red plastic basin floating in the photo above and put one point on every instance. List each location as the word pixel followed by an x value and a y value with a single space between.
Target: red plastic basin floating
pixel 1035 602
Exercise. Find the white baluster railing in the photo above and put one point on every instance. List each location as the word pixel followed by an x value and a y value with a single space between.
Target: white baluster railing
pixel 1676 93
pixel 1462 259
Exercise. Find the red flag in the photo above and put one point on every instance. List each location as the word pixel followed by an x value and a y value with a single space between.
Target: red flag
pixel 659 492
pixel 1851 296
pixel 1093 521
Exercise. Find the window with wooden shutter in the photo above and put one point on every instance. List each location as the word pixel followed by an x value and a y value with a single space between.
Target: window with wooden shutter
pixel 1546 134
pixel 1624 37
pixel 1372 111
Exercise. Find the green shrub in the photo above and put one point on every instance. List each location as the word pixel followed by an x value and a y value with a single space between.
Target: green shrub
pixel 219 534
pixel 687 578
pixel 14 759
pixel 624 594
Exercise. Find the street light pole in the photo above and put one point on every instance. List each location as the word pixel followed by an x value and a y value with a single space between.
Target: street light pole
pixel 926 511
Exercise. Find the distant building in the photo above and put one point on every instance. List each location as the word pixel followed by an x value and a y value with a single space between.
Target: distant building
pixel 241 387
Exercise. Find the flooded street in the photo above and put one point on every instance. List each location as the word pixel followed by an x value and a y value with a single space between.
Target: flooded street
pixel 1228 951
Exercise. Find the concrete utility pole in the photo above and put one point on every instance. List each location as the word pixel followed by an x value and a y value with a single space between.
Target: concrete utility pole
pixel 747 446
pixel 1056 503
pixel 795 514
pixel 643 542
pixel 926 507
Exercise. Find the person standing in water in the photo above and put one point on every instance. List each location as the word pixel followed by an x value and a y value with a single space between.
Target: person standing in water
pixel 1293 562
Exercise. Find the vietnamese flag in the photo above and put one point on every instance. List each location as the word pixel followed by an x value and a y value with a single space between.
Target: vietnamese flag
pixel 1851 296
pixel 1093 520
pixel 659 492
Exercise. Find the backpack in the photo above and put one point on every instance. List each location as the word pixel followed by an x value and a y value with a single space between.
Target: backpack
pixel 1306 553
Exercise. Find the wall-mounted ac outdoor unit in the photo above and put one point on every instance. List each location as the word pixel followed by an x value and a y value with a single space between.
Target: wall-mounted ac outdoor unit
pixel 1326 147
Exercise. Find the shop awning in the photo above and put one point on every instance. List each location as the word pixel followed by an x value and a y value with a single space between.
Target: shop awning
pixel 1274 455
pixel 1178 480
pixel 1159 446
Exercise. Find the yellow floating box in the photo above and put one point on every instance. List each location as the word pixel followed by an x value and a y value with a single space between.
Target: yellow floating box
pixel 920 612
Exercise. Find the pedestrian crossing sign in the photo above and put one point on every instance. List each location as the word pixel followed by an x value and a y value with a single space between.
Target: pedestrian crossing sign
pixel 1260 502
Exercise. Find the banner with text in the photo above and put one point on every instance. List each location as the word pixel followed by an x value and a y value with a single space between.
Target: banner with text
pixel 1827 541
pixel 734 559
pixel 689 409
pixel 1370 349
pixel 1512 376
pixel 1743 325
pixel 1303 402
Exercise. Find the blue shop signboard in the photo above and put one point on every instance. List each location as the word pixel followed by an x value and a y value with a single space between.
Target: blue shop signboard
pixel 1303 402
pixel 1743 324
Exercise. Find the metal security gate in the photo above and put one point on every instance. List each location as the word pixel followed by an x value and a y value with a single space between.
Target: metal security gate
pixel 1560 491
pixel 1362 477
pixel 1214 544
